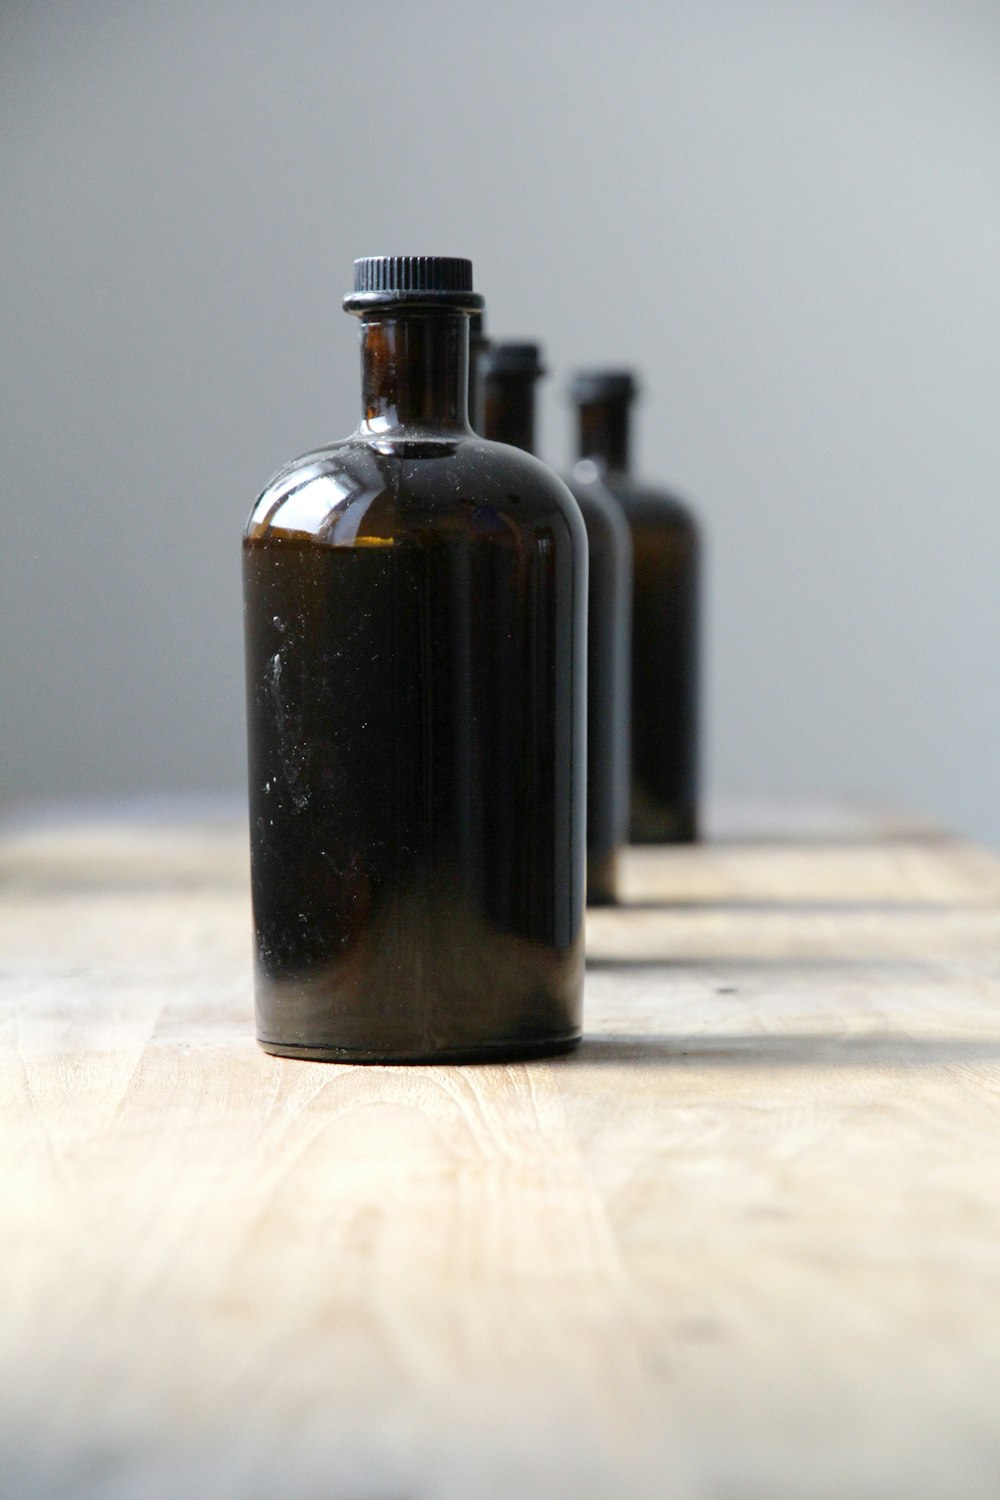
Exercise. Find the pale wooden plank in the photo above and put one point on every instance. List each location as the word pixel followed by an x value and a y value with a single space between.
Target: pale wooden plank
pixel 271 1278
pixel 743 1244
pixel 771 873
pixel 809 1214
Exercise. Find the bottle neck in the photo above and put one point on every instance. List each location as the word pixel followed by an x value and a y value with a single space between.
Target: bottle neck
pixel 604 432
pixel 415 371
pixel 477 349
pixel 509 410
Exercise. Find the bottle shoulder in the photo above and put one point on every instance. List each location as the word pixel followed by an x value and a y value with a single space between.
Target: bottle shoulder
pixel 603 515
pixel 365 488
pixel 648 503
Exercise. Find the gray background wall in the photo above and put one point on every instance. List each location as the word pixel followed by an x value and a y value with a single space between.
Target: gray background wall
pixel 787 215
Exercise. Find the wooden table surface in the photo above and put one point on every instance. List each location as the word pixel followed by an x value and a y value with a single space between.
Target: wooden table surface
pixel 745 1243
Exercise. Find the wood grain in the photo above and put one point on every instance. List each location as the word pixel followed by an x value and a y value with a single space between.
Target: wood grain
pixel 744 1244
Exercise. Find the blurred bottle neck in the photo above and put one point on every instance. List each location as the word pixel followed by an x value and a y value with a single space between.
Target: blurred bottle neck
pixel 509 409
pixel 604 431
pixel 478 346
pixel 415 371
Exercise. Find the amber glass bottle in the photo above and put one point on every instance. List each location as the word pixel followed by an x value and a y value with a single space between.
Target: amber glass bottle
pixel 508 376
pixel 415 607
pixel 665 549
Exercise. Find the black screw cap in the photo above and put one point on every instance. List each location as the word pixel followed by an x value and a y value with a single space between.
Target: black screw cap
pixel 416 280
pixel 513 359
pixel 603 385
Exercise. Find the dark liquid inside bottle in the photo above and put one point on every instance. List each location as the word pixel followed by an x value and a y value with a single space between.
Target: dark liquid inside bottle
pixel 666 564
pixel 414 653
pixel 508 375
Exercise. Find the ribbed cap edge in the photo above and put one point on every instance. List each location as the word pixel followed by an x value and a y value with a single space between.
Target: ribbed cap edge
pixel 412 273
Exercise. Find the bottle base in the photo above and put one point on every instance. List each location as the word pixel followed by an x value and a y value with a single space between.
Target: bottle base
pixel 602 879
pixel 666 826
pixel 488 1052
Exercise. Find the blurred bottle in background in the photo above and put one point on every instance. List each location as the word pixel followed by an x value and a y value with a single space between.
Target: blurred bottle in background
pixel 508 377
pixel 665 550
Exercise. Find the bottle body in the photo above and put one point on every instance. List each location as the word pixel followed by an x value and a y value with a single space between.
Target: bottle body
pixel 509 375
pixel 609 671
pixel 415 636
pixel 666 566
pixel 664 688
